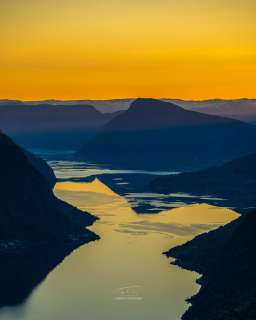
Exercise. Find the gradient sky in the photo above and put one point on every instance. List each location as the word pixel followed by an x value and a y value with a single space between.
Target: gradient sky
pixel 75 49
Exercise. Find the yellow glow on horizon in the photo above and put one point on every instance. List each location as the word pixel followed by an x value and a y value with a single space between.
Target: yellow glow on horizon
pixel 78 49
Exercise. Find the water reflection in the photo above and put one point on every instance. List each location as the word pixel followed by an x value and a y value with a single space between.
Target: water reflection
pixel 134 185
pixel 124 275
pixel 22 271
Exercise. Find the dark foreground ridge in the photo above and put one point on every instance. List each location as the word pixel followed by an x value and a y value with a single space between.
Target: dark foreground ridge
pixel 23 269
pixel 234 181
pixel 226 259
pixel 37 230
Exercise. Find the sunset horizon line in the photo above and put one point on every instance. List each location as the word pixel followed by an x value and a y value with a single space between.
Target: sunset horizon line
pixel 126 98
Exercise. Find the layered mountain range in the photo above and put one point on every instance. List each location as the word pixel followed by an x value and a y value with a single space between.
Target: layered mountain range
pixel 51 126
pixel 240 109
pixel 153 134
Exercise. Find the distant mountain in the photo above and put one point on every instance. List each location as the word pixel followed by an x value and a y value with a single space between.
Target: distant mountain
pixel 103 106
pixel 50 126
pixel 153 134
pixel 113 105
pixel 234 181
pixel 240 109
pixel 7 102
pixel 30 214
pixel 226 259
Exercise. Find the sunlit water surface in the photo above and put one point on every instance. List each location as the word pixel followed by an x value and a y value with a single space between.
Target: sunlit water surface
pixel 124 275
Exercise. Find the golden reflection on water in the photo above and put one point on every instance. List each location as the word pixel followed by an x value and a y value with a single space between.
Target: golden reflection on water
pixel 130 253
pixel 200 215
pixel 96 187
pixel 124 275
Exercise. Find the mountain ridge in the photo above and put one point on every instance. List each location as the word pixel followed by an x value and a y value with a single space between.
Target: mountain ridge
pixel 160 114
pixel 234 181
pixel 243 109
pixel 165 136
pixel 29 211
pixel 51 126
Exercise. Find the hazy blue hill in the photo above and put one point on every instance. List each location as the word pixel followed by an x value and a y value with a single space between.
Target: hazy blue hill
pixel 157 114
pixel 153 134
pixel 226 259
pixel 240 109
pixel 104 106
pixel 51 126
pixel 234 181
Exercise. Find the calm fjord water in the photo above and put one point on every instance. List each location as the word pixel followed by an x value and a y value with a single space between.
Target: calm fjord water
pixel 124 275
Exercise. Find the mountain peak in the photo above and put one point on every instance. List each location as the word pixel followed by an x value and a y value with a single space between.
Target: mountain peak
pixel 153 114
pixel 147 104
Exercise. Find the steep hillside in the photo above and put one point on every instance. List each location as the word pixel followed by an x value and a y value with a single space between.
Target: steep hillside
pixel 225 257
pixel 29 211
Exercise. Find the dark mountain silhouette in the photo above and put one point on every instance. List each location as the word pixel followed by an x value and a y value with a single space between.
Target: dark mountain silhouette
pixel 21 271
pixel 42 167
pixel 37 230
pixel 225 258
pixel 153 134
pixel 29 211
pixel 51 126
pixel 241 109
pixel 234 181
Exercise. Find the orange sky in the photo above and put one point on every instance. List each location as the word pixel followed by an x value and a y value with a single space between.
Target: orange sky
pixel 75 49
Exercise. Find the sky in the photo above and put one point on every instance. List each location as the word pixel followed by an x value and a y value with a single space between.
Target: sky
pixel 100 49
